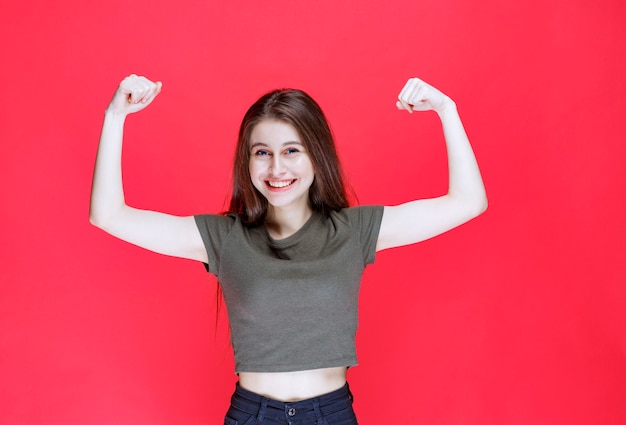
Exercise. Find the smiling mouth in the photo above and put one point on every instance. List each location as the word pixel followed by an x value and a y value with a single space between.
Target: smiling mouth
pixel 279 184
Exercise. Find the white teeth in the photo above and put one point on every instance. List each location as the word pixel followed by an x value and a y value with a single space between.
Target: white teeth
pixel 280 184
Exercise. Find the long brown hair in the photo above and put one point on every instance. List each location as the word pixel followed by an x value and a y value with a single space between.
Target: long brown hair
pixel 295 107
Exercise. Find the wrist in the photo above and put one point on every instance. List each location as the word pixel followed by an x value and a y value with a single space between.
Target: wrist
pixel 112 115
pixel 446 107
pixel 113 121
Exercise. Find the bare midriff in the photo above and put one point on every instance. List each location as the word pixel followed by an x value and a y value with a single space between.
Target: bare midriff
pixel 294 386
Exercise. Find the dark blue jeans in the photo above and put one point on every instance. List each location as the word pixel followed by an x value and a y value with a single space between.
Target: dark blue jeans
pixel 248 408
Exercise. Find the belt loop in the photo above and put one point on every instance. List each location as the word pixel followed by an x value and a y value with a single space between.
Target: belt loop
pixel 318 412
pixel 262 409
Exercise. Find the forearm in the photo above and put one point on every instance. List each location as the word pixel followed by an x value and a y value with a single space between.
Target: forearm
pixel 465 182
pixel 107 193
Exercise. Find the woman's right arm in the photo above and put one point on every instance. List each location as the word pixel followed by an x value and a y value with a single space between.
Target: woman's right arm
pixel 158 232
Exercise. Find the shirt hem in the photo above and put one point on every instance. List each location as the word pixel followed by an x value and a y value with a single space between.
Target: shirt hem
pixel 349 362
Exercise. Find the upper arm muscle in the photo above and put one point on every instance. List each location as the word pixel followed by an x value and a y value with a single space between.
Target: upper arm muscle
pixel 419 220
pixel 158 232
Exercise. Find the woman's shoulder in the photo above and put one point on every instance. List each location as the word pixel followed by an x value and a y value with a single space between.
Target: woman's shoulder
pixel 223 217
pixel 357 214
pixel 211 223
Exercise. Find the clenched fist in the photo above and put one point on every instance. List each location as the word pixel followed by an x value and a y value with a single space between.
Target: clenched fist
pixel 134 93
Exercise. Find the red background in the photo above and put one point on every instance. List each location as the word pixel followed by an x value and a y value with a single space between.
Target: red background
pixel 518 317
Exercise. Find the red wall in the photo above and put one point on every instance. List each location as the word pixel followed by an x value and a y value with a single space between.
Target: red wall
pixel 518 317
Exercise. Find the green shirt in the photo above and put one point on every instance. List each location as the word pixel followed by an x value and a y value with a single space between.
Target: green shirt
pixel 292 303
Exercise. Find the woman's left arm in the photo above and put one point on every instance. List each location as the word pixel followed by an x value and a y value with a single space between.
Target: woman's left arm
pixel 422 219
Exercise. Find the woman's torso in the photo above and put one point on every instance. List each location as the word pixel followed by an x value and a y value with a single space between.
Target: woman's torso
pixel 293 303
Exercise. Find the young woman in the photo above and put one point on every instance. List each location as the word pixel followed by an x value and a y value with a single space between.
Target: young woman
pixel 290 254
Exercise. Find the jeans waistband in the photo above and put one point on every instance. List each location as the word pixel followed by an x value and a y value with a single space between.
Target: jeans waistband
pixel 254 404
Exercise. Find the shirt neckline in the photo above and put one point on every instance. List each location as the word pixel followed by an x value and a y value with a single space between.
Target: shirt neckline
pixel 295 238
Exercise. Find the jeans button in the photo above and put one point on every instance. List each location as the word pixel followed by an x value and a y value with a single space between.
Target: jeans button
pixel 291 412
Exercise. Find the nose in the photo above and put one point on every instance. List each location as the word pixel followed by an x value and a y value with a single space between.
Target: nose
pixel 276 167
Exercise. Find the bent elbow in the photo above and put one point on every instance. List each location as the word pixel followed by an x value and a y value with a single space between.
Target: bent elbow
pixel 480 207
pixel 104 214
pixel 476 207
pixel 98 219
pixel 94 220
pixel 483 206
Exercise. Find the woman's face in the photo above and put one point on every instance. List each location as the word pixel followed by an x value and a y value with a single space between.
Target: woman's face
pixel 280 167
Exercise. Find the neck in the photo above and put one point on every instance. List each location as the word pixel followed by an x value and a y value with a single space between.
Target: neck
pixel 284 222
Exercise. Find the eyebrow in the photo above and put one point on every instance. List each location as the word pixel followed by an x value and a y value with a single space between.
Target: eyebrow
pixel 290 143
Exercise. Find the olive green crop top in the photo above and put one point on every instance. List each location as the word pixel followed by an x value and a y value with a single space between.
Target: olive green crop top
pixel 292 303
